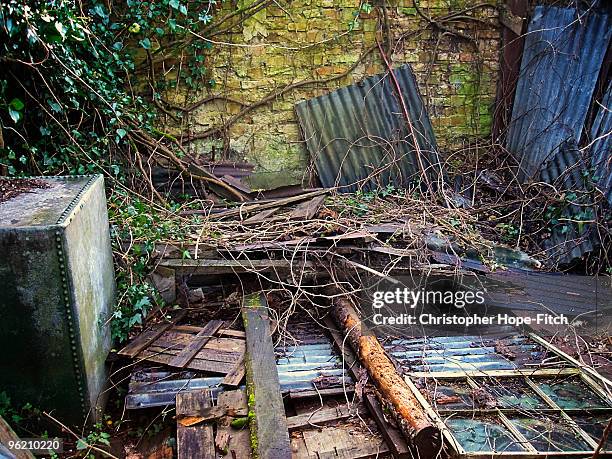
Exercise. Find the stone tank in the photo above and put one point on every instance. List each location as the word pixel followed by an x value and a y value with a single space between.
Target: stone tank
pixel 57 288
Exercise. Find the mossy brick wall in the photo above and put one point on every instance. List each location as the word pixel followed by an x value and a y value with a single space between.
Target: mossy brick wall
pixel 310 40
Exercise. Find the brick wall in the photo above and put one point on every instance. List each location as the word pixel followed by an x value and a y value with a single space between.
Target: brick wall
pixel 311 39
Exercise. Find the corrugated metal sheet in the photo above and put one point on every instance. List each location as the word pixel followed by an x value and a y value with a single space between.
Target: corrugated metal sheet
pixel 464 353
pixel 302 367
pixel 567 171
pixel 359 131
pixel 563 54
pixel 601 148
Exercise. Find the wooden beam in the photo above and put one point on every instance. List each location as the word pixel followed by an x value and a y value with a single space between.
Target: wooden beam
pixel 197 441
pixel 268 423
pixel 393 437
pixel 207 266
pixel 196 344
pixel 7 434
pixel 422 434
pixel 322 416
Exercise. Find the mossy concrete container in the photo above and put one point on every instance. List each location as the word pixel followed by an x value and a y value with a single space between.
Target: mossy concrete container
pixel 57 289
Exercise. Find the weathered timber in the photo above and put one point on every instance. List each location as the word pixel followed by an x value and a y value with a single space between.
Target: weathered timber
pixel 147 337
pixel 308 209
pixel 238 446
pixel 408 412
pixel 204 266
pixel 269 433
pixel 393 437
pixel 198 342
pixel 323 416
pixel 248 208
pixel 234 377
pixel 195 442
pixel 210 414
pixel 6 435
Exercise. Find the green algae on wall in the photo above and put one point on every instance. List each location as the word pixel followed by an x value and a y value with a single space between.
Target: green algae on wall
pixel 314 40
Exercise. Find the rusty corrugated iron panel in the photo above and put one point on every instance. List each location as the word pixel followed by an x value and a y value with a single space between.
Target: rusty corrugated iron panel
pixel 563 53
pixel 359 138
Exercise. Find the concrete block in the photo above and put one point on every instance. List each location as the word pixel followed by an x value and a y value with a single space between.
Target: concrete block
pixel 57 295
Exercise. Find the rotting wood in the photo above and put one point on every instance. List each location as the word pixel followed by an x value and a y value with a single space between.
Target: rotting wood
pixel 238 447
pixel 258 207
pixel 196 344
pixel 308 209
pixel 195 442
pixel 393 437
pixel 210 414
pixel 414 423
pixel 235 376
pixel 204 266
pixel 329 392
pixel 323 416
pixel 267 421
pixel 146 338
pixel 260 216
pixel 7 434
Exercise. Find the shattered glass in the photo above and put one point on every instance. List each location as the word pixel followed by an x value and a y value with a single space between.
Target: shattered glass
pixel 514 393
pixel 445 395
pixel 572 394
pixel 550 435
pixel 483 435
pixel 595 426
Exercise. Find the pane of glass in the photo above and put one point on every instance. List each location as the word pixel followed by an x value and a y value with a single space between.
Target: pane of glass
pixel 571 393
pixel 550 434
pixel 512 393
pixel 594 426
pixel 447 395
pixel 483 435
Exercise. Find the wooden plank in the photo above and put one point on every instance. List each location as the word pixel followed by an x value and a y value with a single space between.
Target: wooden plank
pixel 146 338
pixel 209 366
pixel 322 416
pixel 258 207
pixel 330 392
pixel 194 442
pixel 234 377
pixel 394 439
pixel 269 425
pixel 223 332
pixel 339 443
pixel 308 209
pixel 207 266
pixel 239 446
pixel 6 435
pixel 260 216
pixel 197 343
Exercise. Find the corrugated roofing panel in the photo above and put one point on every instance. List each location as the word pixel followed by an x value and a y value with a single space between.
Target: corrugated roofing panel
pixel 563 54
pixel 601 148
pixel 358 136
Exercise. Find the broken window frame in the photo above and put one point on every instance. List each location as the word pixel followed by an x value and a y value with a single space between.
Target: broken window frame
pixel 599 384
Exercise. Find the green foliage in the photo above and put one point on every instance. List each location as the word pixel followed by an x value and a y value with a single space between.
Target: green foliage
pixel 96 437
pixel 16 416
pixel 66 99
pixel 508 231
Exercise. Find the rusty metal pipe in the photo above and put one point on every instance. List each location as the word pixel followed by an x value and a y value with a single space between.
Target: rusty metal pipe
pixel 421 434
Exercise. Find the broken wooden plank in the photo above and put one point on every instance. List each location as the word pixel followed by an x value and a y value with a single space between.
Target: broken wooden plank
pixel 329 392
pixel 268 425
pixel 147 337
pixel 239 446
pixel 6 435
pixel 194 442
pixel 197 343
pixel 342 443
pixel 323 416
pixel 308 209
pixel 210 414
pixel 203 266
pixel 260 217
pixel 234 377
pixel 392 436
pixel 247 208
pixel 423 435
pixel 223 332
